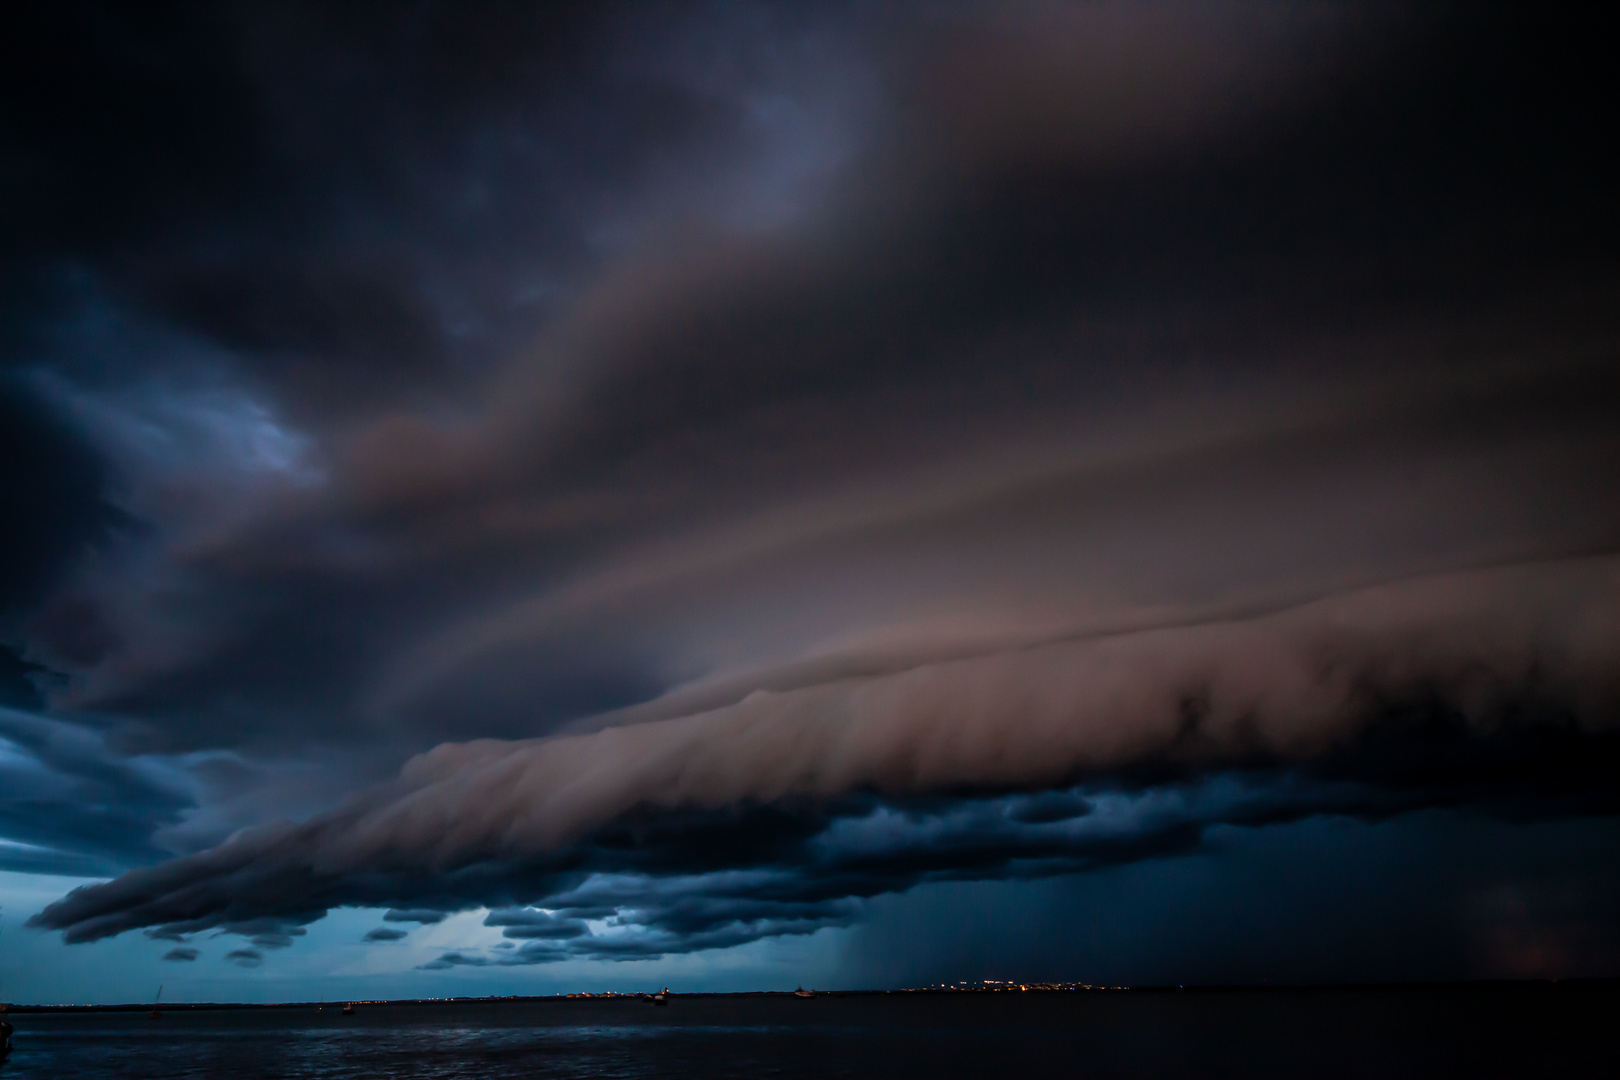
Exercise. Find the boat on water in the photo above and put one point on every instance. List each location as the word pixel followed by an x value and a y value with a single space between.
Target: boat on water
pixel 801 992
pixel 662 997
pixel 348 1008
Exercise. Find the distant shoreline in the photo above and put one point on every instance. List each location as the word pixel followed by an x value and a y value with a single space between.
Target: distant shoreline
pixel 1484 985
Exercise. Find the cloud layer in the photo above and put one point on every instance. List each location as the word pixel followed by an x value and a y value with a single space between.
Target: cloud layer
pixel 762 817
pixel 666 476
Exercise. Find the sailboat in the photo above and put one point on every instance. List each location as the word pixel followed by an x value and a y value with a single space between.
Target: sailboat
pixel 801 992
pixel 156 1013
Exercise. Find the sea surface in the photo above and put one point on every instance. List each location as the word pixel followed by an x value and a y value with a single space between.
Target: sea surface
pixel 1518 1031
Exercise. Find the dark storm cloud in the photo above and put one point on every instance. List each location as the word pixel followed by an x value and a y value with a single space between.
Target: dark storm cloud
pixel 184 955
pixel 758 459
pixel 527 923
pixel 385 933
pixel 452 190
pixel 425 916
pixel 19 682
pixel 1424 897
pixel 52 499
pixel 265 933
pixel 678 871
pixel 335 196
pixel 247 958
pixel 73 802
pixel 74 805
pixel 1313 277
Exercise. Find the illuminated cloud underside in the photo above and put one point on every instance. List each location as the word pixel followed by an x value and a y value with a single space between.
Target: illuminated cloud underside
pixel 671 477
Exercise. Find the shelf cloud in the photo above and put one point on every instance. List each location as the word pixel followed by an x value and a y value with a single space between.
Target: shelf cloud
pixel 807 790
pixel 668 477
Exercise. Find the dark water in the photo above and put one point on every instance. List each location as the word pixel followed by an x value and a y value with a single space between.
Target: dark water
pixel 1550 1031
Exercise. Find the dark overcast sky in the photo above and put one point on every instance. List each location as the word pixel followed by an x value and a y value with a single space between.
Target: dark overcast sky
pixel 907 490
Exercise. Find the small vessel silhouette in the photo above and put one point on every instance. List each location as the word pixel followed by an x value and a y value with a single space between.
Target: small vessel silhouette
pixel 348 1008
pixel 801 992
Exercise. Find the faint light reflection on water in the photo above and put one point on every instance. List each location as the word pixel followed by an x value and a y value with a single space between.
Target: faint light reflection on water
pixel 1520 1031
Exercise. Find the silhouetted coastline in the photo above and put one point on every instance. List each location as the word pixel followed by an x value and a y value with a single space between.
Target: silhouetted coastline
pixel 1479 986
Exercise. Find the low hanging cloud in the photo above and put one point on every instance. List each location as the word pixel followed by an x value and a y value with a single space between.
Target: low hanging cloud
pixel 684 473
pixel 425 916
pixel 765 817
pixel 70 803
